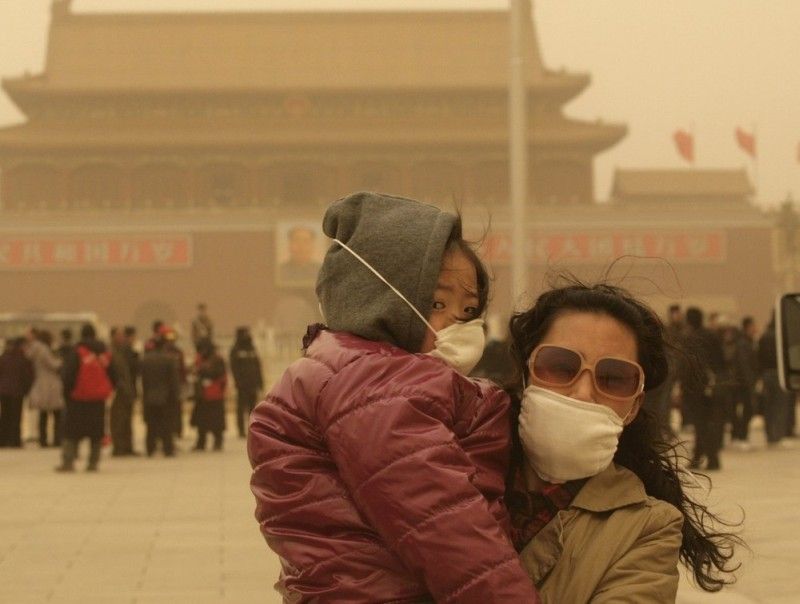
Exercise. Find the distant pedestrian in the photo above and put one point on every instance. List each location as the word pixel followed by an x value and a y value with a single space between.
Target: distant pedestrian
pixel 202 326
pixel 746 375
pixel 728 379
pixel 133 357
pixel 210 385
pixel 776 401
pixel 247 376
pixel 88 378
pixel 160 391
pixel 155 334
pixel 47 394
pixel 170 338
pixel 16 379
pixel 121 416
pixel 701 394
pixel 66 347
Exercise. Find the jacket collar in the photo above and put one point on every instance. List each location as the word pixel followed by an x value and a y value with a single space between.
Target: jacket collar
pixel 613 488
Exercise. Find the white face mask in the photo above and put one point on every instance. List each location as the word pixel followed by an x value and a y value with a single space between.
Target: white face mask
pixel 459 345
pixel 564 438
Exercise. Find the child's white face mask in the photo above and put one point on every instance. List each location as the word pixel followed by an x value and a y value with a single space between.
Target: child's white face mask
pixel 460 345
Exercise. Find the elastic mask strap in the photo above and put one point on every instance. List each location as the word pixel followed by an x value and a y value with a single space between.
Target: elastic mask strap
pixel 392 287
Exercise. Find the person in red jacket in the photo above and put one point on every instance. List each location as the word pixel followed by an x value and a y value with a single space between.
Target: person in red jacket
pixel 88 380
pixel 211 381
pixel 378 466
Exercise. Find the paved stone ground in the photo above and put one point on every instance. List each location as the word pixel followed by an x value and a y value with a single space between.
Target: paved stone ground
pixel 182 530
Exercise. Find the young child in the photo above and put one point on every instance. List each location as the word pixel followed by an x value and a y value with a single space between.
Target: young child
pixel 378 466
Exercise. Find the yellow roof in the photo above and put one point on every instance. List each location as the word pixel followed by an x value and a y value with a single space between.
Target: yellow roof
pixel 681 183
pixel 286 51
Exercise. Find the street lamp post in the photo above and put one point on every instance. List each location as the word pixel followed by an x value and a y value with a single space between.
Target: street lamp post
pixel 518 148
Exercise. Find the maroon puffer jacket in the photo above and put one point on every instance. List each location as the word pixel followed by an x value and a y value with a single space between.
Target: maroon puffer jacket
pixel 378 476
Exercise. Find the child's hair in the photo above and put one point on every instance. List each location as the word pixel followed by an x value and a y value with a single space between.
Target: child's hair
pixel 456 241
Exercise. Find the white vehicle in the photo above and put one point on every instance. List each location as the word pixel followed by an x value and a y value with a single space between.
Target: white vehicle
pixel 15 325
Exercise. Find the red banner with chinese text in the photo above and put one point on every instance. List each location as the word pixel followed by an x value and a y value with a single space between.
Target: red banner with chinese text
pixel 590 247
pixel 111 252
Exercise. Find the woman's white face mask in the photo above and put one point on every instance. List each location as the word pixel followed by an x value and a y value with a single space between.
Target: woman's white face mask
pixel 460 345
pixel 565 438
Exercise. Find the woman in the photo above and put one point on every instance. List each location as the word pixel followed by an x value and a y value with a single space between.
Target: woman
pixel 47 392
pixel 596 496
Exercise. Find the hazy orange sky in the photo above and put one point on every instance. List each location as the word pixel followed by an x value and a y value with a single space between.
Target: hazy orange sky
pixel 702 65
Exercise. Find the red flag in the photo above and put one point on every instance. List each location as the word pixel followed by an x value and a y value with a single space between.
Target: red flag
pixel 684 141
pixel 746 141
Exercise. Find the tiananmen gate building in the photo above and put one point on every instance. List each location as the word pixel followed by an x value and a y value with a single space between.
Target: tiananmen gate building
pixel 168 159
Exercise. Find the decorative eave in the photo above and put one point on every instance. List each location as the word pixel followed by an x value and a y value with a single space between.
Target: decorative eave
pixel 592 137
pixel 561 86
pixel 29 91
pixel 19 90
pixel 656 185
pixel 39 137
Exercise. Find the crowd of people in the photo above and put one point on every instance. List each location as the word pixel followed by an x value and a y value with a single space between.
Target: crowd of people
pixel 721 376
pixel 70 387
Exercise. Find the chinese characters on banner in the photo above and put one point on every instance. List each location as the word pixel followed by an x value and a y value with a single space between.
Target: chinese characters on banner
pixel 592 247
pixel 113 252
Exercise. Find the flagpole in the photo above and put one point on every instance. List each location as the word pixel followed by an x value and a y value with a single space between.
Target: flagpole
pixel 755 162
pixel 518 149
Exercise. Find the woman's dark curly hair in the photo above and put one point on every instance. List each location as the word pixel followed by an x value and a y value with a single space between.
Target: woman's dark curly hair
pixel 642 446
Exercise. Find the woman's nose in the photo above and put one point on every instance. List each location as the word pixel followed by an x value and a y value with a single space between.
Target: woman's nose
pixel 583 388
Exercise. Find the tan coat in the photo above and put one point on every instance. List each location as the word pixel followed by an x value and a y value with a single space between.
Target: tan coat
pixel 47 392
pixel 612 544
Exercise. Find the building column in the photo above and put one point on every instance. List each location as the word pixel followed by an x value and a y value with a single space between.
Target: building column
pixel 126 186
pixel 192 176
pixel 250 183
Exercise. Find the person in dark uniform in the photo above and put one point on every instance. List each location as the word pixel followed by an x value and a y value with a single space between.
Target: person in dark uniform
pixel 16 379
pixel 121 415
pixel 170 337
pixel 247 376
pixel 702 394
pixel 160 392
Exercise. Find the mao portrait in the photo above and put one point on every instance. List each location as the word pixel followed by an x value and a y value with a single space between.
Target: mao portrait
pixel 300 249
